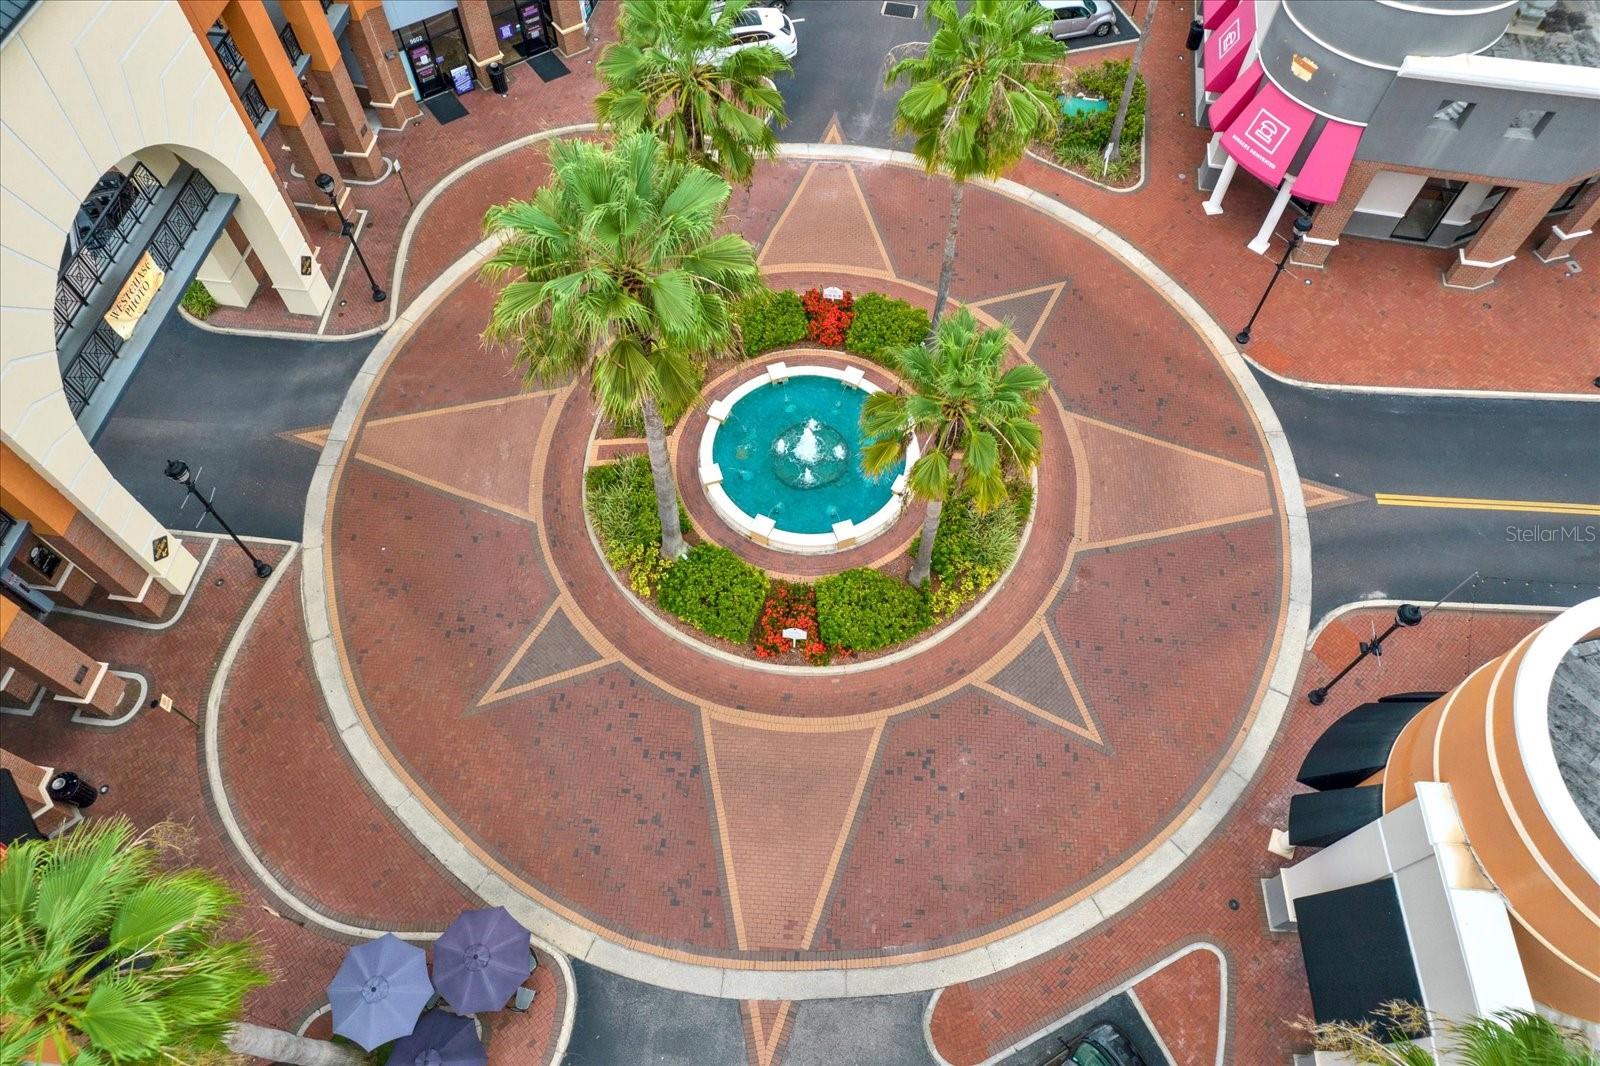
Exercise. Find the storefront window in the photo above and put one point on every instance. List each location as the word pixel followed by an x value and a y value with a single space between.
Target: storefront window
pixel 436 51
pixel 521 27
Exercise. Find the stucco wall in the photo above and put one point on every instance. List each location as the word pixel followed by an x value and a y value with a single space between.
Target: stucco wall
pixel 82 86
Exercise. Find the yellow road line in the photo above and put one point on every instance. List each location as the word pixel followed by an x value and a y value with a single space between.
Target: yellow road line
pixel 1468 503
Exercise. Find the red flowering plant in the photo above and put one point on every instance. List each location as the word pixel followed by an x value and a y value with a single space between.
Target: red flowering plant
pixel 792 606
pixel 827 321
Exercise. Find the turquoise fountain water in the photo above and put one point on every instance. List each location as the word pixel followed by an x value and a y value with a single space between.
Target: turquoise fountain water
pixel 791 450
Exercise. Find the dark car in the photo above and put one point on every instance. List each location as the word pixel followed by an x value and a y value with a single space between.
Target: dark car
pixel 1104 1045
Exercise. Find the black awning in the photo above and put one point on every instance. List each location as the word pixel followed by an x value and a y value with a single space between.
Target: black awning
pixel 1357 746
pixel 16 818
pixel 1357 954
pixel 1317 819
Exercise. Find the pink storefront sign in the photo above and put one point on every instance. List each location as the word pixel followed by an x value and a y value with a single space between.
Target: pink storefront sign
pixel 1325 168
pixel 1227 46
pixel 1212 12
pixel 1267 132
pixel 1221 111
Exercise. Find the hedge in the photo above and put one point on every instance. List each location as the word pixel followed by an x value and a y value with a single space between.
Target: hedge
pixel 864 610
pixel 622 505
pixel 769 320
pixel 715 591
pixel 883 322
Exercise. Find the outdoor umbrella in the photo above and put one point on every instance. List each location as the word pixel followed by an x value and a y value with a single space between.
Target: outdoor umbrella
pixel 379 991
pixel 440 1039
pixel 481 960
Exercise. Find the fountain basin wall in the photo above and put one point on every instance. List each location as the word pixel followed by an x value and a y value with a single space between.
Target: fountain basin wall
pixel 769 530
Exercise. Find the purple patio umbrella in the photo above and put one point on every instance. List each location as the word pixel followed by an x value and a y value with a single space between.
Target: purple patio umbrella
pixel 379 991
pixel 440 1039
pixel 481 960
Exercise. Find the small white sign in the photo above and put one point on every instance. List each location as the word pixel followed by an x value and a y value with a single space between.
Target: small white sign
pixel 794 635
pixel 833 292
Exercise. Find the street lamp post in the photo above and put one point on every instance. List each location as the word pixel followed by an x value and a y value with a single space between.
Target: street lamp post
pixel 179 471
pixel 1408 615
pixel 346 229
pixel 1302 226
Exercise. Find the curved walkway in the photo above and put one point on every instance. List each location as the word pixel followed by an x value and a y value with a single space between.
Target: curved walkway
pixel 1134 369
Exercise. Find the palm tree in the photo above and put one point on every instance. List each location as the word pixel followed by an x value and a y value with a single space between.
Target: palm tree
pixel 663 75
pixel 974 419
pixel 616 266
pixel 108 956
pixel 1114 146
pixel 978 97
pixel 1509 1038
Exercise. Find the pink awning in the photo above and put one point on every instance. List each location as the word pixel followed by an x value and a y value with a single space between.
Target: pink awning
pixel 1225 49
pixel 1222 110
pixel 1212 12
pixel 1267 132
pixel 1322 176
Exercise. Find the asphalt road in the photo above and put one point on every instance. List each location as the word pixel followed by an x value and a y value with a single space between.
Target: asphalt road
pixel 219 403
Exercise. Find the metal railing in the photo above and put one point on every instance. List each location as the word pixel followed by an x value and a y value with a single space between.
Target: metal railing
pixel 87 369
pixel 227 51
pixel 98 246
pixel 291 44
pixel 254 105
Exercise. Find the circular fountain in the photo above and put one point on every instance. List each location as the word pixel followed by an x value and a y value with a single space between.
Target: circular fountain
pixel 781 461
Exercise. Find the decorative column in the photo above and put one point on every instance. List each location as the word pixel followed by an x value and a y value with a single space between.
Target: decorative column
pixel 1330 219
pixel 572 32
pixel 70 675
pixel 1571 227
pixel 226 273
pixel 482 48
pixel 330 81
pixel 388 88
pixel 1496 244
pixel 253 34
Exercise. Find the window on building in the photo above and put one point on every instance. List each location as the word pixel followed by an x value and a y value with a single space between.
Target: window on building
pixel 1451 114
pixel 1529 124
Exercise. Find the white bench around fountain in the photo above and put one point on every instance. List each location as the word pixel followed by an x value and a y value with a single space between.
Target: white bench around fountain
pixel 763 529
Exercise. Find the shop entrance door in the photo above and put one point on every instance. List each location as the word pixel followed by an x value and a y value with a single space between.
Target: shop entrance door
pixel 522 27
pixel 433 48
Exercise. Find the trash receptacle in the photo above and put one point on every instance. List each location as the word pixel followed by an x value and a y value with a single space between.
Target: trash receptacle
pixel 68 787
pixel 497 78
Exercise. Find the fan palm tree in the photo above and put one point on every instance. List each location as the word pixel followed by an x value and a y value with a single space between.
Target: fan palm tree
pixel 663 75
pixel 1509 1038
pixel 615 265
pixel 974 419
pixel 978 96
pixel 106 956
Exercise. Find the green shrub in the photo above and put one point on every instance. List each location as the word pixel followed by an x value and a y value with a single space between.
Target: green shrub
pixel 864 610
pixel 770 319
pixel 198 301
pixel 622 505
pixel 1080 141
pixel 884 322
pixel 715 591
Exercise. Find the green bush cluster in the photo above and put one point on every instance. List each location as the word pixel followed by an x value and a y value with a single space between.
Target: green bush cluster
pixel 864 610
pixel 972 549
pixel 1080 141
pixel 715 591
pixel 883 322
pixel 770 319
pixel 621 499
pixel 198 301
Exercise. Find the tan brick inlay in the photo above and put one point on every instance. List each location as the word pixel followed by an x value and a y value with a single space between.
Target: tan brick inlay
pixel 785 801
pixel 479 451
pixel 1027 310
pixel 827 221
pixel 766 1025
pixel 1143 487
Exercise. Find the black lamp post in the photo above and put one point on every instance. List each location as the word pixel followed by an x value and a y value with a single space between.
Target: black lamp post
pixel 346 229
pixel 1408 615
pixel 1302 226
pixel 179 471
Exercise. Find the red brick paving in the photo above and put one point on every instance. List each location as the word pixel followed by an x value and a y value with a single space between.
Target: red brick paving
pixel 1180 994
pixel 1266 980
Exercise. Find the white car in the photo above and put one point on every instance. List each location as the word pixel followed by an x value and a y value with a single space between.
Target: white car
pixel 762 25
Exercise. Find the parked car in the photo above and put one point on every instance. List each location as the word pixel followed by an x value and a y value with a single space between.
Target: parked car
pixel 1104 1045
pixel 1080 18
pixel 762 25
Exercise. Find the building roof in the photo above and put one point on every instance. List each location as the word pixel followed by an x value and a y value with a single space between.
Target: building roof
pixel 1568 35
pixel 1575 726
pixel 11 12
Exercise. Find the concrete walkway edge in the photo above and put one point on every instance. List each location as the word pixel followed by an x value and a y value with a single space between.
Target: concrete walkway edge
pixel 738 981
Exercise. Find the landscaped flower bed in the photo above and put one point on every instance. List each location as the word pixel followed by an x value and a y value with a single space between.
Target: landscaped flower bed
pixel 1078 142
